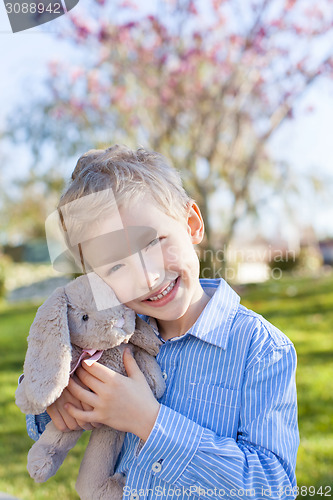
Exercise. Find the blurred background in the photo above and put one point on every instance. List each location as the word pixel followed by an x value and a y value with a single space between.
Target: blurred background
pixel 239 96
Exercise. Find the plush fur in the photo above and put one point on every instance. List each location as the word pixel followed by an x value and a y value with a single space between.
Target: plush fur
pixel 65 324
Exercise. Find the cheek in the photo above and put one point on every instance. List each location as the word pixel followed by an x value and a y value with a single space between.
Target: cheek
pixel 171 256
pixel 135 306
pixel 192 264
pixel 126 291
pixel 182 257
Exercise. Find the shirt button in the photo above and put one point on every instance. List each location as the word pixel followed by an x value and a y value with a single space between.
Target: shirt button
pixel 157 467
pixel 164 375
pixel 134 496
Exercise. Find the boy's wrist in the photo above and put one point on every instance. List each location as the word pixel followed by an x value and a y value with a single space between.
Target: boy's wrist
pixel 145 425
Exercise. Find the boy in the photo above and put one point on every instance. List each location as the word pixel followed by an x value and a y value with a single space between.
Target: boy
pixel 226 426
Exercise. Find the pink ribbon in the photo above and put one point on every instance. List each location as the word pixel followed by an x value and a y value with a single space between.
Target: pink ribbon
pixel 90 355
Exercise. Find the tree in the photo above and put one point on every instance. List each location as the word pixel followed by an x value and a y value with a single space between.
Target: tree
pixel 23 215
pixel 205 83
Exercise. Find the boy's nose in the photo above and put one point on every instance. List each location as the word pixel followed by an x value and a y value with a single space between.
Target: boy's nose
pixel 152 278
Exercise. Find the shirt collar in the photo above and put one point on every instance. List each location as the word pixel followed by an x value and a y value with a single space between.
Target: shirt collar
pixel 214 323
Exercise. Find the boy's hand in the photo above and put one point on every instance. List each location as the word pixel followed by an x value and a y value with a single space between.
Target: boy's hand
pixel 62 419
pixel 124 403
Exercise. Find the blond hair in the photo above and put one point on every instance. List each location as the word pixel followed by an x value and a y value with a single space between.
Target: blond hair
pixel 105 181
pixel 130 174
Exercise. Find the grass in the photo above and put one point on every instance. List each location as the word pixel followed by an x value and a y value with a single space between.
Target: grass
pixel 14 442
pixel 301 307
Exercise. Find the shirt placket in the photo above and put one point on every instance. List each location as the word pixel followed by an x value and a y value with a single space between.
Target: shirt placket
pixel 138 484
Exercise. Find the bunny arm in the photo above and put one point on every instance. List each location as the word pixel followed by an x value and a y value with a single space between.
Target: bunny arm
pixel 48 453
pixel 151 370
pixel 145 337
pixel 94 480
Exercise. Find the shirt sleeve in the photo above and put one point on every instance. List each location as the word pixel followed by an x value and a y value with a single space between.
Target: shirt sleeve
pixel 259 463
pixel 36 425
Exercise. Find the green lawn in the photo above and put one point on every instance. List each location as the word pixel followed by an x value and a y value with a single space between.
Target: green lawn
pixel 302 308
pixel 14 442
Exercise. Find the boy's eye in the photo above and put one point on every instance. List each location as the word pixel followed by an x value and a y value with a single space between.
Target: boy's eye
pixel 115 268
pixel 154 242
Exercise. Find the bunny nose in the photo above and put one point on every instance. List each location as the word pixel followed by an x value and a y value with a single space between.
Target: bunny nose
pixel 120 322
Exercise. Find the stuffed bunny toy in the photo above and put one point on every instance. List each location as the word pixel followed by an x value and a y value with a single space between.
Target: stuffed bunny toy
pixel 67 328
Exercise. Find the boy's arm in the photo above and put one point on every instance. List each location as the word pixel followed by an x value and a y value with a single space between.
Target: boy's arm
pixel 36 425
pixel 260 461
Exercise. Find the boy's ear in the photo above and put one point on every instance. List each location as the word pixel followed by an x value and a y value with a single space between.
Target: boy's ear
pixel 195 223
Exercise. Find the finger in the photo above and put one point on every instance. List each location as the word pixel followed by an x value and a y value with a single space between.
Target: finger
pixel 96 425
pixel 86 426
pixel 86 407
pixel 80 415
pixel 89 382
pixel 79 404
pixel 78 381
pixel 62 420
pixel 56 418
pixel 83 395
pixel 131 365
pixel 98 371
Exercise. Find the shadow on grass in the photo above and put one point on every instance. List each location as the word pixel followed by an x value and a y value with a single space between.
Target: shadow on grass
pixel 12 365
pixel 294 312
pixel 315 358
pixel 22 308
pixel 289 287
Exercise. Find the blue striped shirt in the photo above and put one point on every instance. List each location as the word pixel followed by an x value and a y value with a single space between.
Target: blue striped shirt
pixel 227 425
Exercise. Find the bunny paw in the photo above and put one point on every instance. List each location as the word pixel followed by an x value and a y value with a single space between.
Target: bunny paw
pixel 42 463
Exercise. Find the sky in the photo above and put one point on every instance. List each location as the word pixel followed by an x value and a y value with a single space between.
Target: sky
pixel 305 142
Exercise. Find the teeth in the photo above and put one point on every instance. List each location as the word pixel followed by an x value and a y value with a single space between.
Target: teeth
pixel 165 292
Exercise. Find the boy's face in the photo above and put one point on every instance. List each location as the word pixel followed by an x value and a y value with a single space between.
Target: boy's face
pixel 151 264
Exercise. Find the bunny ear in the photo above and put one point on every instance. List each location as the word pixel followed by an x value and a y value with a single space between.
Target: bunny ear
pixel 48 358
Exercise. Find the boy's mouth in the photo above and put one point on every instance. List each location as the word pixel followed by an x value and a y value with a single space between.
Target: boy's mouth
pixel 163 293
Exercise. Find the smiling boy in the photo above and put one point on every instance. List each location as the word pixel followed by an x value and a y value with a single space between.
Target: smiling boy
pixel 226 426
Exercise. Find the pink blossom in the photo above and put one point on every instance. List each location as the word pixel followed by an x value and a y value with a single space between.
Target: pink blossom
pixel 130 25
pixel 192 8
pixel 128 4
pixel 103 34
pixel 290 4
pixel 76 73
